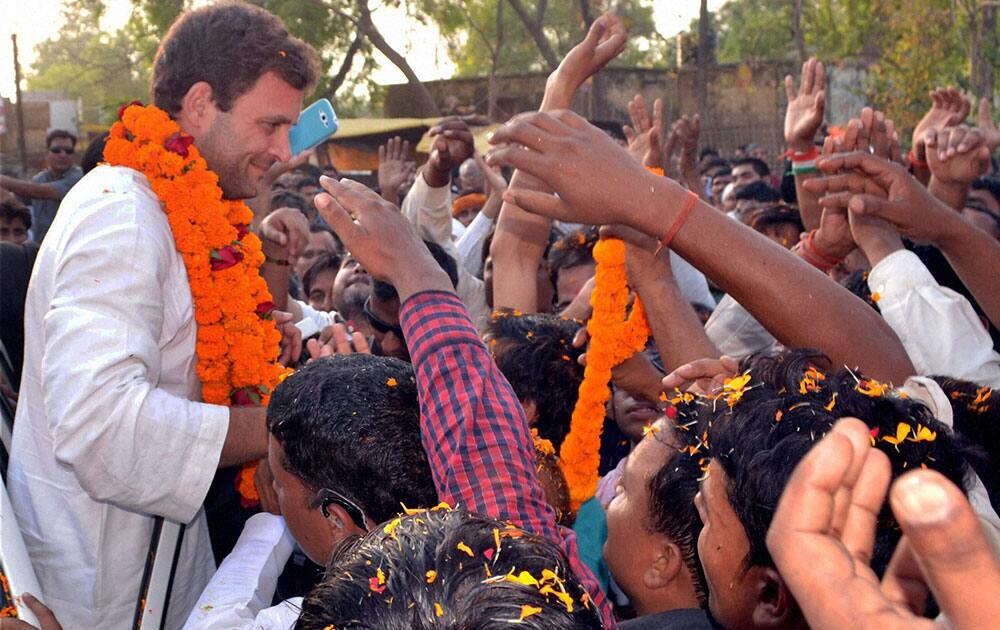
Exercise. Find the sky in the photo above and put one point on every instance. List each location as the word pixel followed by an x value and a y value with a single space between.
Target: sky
pixel 38 20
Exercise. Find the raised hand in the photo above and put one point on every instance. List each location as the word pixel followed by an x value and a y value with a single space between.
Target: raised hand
pixel 291 338
pixel 704 376
pixel 337 339
pixel 957 155
pixel 949 108
pixel 380 238
pixel 395 168
pixel 688 131
pixel 806 107
pixel 566 152
pixel 823 534
pixel 605 40
pixel 645 135
pixel 984 119
pixel 869 185
pixel 495 181
pixel 284 234
pixel 453 144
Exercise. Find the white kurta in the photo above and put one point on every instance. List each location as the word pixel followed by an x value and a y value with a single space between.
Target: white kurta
pixel 107 431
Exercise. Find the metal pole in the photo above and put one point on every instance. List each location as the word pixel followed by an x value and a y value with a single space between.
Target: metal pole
pixel 21 145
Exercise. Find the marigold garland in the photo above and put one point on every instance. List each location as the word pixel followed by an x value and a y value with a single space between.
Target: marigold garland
pixel 613 339
pixel 238 343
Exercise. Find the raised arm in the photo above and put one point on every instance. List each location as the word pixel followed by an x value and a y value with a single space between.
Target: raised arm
pixel 473 428
pixel 29 189
pixel 803 118
pixel 872 186
pixel 597 182
pixel 520 239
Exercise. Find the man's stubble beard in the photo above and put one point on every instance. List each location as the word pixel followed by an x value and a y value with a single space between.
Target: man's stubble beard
pixel 350 305
pixel 215 146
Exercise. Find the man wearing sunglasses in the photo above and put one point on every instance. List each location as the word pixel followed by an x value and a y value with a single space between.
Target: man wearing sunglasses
pixel 45 190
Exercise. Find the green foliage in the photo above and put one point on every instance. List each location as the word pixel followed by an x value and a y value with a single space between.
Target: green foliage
pixel 102 69
pixel 750 31
pixel 470 32
pixel 908 48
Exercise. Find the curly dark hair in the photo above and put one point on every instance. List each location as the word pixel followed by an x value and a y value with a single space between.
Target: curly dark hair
pixel 536 354
pixel 352 424
pixel 575 248
pixel 785 408
pixel 229 45
pixel 428 580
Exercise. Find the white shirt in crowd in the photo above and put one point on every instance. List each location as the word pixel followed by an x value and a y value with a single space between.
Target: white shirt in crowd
pixel 240 593
pixel 108 430
pixel 941 332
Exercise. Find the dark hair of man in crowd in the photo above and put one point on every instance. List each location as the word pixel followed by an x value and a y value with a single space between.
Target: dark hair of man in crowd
pixel 989 184
pixel 706 152
pixel 777 213
pixel 857 283
pixel 758 447
pixel 385 291
pixel 229 45
pixel 282 198
pixel 319 226
pixel 975 411
pixel 59 133
pixel 13 211
pixel 343 427
pixel 310 170
pixel 417 575
pixel 757 191
pixel 535 353
pixel 575 248
pixel 716 163
pixel 94 153
pixel 307 181
pixel 760 166
pixel 325 262
pixel 672 511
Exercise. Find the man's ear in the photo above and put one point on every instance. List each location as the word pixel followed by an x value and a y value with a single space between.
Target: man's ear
pixel 775 606
pixel 666 564
pixel 530 411
pixel 198 109
pixel 340 523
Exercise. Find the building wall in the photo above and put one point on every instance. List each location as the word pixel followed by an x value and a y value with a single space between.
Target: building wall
pixel 746 102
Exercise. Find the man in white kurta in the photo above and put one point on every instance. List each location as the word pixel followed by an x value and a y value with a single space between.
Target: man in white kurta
pixel 107 433
pixel 110 433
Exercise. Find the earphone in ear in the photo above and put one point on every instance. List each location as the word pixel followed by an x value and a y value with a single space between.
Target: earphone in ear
pixel 339 524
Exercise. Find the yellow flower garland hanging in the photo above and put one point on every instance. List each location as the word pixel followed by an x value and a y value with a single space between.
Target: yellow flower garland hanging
pixel 238 342
pixel 613 339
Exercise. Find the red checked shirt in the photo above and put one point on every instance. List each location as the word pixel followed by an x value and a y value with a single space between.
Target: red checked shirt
pixel 474 430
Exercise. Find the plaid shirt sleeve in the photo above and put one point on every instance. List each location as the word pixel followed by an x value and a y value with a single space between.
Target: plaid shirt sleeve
pixel 474 430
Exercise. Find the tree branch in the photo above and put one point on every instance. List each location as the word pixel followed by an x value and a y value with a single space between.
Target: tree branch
pixel 537 33
pixel 345 66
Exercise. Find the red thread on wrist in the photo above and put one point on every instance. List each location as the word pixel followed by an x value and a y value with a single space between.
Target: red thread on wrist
pixel 692 198
pixel 916 162
pixel 811 247
pixel 795 156
pixel 800 250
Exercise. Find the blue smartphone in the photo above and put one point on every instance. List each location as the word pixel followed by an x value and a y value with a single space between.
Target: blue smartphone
pixel 316 123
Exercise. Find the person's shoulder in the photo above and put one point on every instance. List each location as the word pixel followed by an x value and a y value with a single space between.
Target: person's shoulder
pixel 74 174
pixel 114 197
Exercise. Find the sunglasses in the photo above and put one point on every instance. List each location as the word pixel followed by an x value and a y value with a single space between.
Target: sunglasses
pixel 326 496
pixel 378 324
pixel 66 150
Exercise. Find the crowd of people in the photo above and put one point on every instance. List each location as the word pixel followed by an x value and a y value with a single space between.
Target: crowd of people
pixel 807 439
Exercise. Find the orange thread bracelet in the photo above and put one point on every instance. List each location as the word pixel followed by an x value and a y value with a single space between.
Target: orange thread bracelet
pixel 692 198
